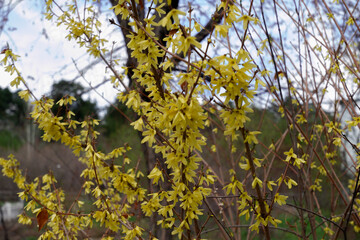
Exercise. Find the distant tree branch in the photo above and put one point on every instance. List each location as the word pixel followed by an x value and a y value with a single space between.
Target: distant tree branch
pixel 215 19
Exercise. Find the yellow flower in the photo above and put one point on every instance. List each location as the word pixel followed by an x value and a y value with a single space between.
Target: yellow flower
pixel 280 199
pixel 156 174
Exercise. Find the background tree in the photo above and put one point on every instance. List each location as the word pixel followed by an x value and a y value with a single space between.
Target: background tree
pixel 12 115
pixel 116 116
pixel 12 109
pixel 81 108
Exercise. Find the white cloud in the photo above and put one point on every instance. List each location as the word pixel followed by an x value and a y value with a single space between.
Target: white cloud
pixel 46 56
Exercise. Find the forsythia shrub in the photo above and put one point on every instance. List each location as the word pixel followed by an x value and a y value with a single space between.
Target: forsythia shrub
pixel 173 116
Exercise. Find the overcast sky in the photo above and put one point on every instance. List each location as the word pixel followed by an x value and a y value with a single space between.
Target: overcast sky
pixel 46 56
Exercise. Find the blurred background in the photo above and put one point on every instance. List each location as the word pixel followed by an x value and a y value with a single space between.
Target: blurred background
pixel 54 67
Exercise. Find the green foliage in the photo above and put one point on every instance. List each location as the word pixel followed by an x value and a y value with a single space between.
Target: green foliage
pixel 115 117
pixel 12 108
pixel 9 140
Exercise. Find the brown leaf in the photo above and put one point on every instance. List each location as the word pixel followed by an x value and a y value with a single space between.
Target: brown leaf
pixel 173 31
pixel 278 74
pixel 42 218
pixel 4 51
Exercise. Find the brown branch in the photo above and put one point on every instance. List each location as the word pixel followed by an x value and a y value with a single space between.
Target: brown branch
pixel 215 20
